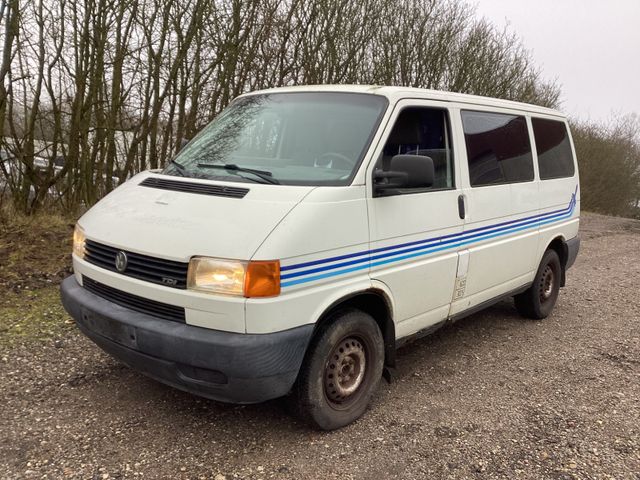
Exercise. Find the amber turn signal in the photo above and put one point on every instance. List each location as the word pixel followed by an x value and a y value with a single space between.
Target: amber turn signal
pixel 262 279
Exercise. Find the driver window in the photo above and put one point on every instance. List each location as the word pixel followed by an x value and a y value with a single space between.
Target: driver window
pixel 423 131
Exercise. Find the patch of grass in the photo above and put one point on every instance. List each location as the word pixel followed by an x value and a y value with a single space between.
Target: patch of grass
pixel 32 316
pixel 35 255
pixel 35 252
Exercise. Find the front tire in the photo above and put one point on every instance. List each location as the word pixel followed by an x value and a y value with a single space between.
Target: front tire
pixel 342 370
pixel 539 299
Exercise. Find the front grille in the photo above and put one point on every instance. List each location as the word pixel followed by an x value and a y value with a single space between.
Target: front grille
pixel 192 187
pixel 139 304
pixel 143 267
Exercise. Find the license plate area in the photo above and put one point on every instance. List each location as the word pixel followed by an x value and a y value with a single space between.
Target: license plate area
pixel 120 333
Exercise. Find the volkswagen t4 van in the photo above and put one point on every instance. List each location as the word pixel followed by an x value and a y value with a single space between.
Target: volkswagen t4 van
pixel 307 232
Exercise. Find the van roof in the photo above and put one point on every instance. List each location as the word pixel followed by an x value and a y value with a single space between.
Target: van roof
pixel 397 93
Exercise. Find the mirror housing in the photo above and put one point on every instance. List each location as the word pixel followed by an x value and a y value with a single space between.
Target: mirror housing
pixel 405 171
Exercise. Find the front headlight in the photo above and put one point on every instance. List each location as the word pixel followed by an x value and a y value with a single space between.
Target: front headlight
pixel 79 241
pixel 233 277
pixel 216 275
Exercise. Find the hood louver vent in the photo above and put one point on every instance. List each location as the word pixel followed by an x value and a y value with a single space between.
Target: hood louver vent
pixel 190 187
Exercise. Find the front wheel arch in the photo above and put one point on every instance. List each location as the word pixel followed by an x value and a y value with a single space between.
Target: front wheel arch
pixel 316 397
pixel 375 303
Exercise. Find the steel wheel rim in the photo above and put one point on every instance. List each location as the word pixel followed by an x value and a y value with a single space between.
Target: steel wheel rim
pixel 345 371
pixel 547 283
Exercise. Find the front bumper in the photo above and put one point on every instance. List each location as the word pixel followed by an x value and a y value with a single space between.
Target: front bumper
pixel 224 366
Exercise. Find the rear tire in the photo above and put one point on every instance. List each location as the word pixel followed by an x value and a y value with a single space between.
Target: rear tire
pixel 341 371
pixel 538 301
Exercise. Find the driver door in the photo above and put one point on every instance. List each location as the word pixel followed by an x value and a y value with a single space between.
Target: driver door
pixel 412 251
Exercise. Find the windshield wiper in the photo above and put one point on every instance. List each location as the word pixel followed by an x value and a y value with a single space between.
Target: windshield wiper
pixel 266 176
pixel 180 168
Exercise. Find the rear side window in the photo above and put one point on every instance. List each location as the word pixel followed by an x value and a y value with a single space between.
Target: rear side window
pixel 498 148
pixel 555 159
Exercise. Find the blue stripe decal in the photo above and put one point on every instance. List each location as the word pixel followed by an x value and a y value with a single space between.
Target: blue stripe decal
pixel 426 244
pixel 422 247
pixel 542 220
pixel 428 240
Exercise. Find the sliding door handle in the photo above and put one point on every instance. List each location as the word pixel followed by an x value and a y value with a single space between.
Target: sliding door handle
pixel 461 212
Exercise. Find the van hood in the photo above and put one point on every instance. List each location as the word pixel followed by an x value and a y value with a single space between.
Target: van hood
pixel 178 225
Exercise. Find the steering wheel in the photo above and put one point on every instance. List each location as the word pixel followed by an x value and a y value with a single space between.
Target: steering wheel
pixel 328 160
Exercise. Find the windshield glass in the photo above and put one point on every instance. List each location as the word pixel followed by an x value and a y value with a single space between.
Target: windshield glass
pixel 284 138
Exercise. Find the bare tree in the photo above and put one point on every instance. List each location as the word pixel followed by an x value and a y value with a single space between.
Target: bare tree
pixel 111 87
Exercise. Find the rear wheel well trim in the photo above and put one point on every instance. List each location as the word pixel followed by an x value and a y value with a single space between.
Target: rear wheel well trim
pixel 383 317
pixel 559 245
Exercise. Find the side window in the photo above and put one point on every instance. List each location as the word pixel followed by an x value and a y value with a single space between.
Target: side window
pixel 498 148
pixel 555 158
pixel 423 131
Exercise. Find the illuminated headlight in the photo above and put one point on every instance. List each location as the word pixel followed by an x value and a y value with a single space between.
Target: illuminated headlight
pixel 217 276
pixel 79 241
pixel 233 277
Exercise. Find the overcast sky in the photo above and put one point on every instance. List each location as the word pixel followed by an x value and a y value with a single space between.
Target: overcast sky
pixel 591 47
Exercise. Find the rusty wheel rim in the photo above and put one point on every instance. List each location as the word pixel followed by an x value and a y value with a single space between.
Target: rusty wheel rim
pixel 345 371
pixel 547 283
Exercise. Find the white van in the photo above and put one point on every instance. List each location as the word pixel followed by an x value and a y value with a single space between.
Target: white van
pixel 307 232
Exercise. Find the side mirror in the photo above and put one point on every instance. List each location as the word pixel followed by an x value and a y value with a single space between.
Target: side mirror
pixel 405 171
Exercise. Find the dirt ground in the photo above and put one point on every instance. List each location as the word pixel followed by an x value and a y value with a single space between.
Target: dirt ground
pixel 492 396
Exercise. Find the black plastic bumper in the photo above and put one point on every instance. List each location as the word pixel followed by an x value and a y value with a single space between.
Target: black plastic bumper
pixel 224 366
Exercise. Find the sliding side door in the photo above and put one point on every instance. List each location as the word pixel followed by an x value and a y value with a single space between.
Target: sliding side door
pixel 500 239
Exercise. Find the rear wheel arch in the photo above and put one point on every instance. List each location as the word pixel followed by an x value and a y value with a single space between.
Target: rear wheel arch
pixel 559 245
pixel 538 300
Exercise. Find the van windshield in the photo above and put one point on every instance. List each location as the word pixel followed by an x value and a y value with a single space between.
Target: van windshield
pixel 284 138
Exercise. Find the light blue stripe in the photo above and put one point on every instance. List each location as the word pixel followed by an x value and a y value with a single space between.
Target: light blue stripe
pixel 486 236
pixel 509 224
pixel 448 240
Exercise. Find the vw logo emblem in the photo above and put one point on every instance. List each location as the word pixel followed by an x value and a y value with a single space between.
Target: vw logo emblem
pixel 121 261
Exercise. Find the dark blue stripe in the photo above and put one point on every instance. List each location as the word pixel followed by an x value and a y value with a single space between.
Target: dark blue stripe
pixel 431 249
pixel 434 242
pixel 419 242
pixel 425 243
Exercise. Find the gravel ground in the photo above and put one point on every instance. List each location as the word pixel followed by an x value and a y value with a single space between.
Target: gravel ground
pixel 492 396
